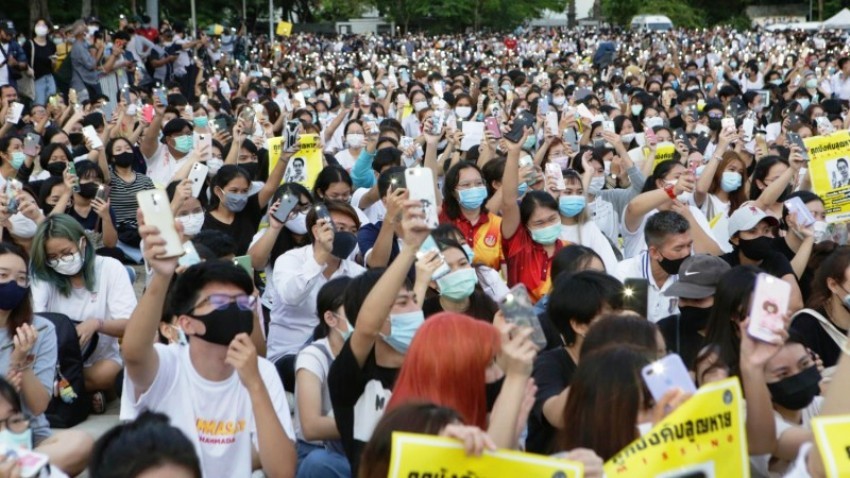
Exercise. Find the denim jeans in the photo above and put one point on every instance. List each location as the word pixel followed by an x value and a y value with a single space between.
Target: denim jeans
pixel 317 462
pixel 45 87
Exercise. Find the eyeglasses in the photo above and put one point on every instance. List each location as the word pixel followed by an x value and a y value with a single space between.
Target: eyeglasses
pixel 17 423
pixel 67 257
pixel 223 301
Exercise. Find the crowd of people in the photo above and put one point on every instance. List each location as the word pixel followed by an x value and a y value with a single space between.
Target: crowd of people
pixel 317 306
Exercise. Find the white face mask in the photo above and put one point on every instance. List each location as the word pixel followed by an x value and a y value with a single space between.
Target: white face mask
pixel 420 105
pixel 298 224
pixel 22 226
pixel 70 267
pixel 41 30
pixel 354 140
pixel 596 185
pixel 214 164
pixel 627 138
pixel 192 223
pixel 463 112
pixel 559 100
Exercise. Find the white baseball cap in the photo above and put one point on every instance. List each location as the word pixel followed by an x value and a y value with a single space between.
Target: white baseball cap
pixel 748 216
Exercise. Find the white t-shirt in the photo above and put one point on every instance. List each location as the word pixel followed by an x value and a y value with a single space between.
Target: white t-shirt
pixel 316 358
pixel 113 298
pixel 589 235
pixel 603 214
pixel 162 166
pixel 217 417
pixel 375 213
pixel 345 159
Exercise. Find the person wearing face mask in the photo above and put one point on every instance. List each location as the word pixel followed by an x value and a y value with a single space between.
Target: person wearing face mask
pixel 721 188
pixel 320 452
pixel 53 159
pixel 41 52
pixel 463 107
pixel 299 274
pixel 217 378
pixel 411 124
pixel 234 208
pixel 459 290
pixel 354 142
pixel 669 243
pixel 12 158
pixel 93 291
pixel 773 180
pixel 124 184
pixel 386 317
pixel 530 230
pixel 794 380
pixel 94 214
pixel 607 205
pixel 751 233
pixel 798 242
pixel 170 157
pixel 684 332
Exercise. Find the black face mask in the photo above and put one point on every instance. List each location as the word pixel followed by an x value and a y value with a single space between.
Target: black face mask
pixel 344 244
pixel 223 325
pixel 251 169
pixel 671 266
pixel 714 124
pixel 76 139
pixel 797 391
pixel 89 190
pixel 756 249
pixel 57 169
pixel 694 318
pixel 124 160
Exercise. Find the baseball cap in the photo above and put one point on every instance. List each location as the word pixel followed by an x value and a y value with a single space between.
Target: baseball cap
pixel 698 277
pixel 747 217
pixel 175 126
pixel 8 26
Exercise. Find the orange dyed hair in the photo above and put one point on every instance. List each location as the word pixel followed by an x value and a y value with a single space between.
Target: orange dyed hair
pixel 445 365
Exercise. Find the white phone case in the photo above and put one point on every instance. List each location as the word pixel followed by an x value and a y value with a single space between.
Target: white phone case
pixel 666 373
pixel 367 77
pixel 768 308
pixel 157 210
pixel 15 114
pixel 91 134
pixel 420 183
pixel 552 122
pixel 197 175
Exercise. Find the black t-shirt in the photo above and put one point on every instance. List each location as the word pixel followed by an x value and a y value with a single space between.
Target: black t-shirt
pixel 359 397
pixel 42 65
pixel 553 370
pixel 781 246
pixel 480 307
pixel 243 227
pixel 774 264
pixel 811 333
pixel 681 338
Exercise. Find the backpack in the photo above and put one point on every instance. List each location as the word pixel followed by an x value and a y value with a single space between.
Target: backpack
pixel 70 404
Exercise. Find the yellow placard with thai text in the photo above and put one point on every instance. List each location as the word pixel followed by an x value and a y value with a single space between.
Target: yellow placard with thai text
pixel 829 167
pixel 419 456
pixel 705 436
pixel 663 152
pixel 275 148
pixel 832 435
pixel 305 164
pixel 284 29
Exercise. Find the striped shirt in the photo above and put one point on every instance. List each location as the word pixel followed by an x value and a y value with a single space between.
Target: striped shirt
pixel 122 197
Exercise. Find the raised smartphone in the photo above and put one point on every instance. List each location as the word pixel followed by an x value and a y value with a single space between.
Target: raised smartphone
pixel 288 201
pixel 428 245
pixel 768 308
pixel 197 176
pixel 665 374
pixel 157 212
pixel 420 183
pixel 517 309
pixel 636 295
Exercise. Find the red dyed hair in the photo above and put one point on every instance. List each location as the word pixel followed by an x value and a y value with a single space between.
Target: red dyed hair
pixel 445 365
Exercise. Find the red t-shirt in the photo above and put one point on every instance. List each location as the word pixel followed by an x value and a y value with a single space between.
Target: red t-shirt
pixel 528 262
pixel 484 237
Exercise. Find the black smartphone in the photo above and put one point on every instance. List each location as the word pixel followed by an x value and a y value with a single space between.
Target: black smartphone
pixel 291 134
pixel 636 295
pixel 323 213
pixel 794 138
pixel 679 134
pixel 288 201
pixel 522 121
pixel 397 181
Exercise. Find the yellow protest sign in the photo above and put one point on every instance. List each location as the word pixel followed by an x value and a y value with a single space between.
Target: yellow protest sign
pixel 284 29
pixel 829 167
pixel 418 456
pixel 305 165
pixel 663 152
pixel 704 435
pixel 832 435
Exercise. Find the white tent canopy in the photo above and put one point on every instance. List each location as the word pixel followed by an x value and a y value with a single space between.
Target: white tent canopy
pixel 839 20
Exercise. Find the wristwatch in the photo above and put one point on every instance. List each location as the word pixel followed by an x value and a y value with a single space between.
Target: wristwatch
pixel 670 189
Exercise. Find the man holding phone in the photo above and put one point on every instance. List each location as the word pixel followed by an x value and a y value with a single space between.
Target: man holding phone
pixel 669 243
pixel 379 242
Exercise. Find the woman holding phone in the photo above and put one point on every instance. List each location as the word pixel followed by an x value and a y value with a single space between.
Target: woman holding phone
pixel 124 183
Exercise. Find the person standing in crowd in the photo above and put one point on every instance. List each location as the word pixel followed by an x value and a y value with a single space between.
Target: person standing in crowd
pixel 84 64
pixel 14 60
pixel 41 56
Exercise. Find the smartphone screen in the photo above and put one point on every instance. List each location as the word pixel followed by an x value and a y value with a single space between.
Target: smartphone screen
pixel 288 202
pixel 636 295
pixel 768 308
pixel 517 308
pixel 665 374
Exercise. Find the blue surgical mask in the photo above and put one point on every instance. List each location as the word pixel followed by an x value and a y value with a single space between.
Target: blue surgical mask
pixel 18 158
pixel 530 142
pixel 201 121
pixel 470 252
pixel 804 102
pixel 235 202
pixel 346 333
pixel 675 84
pixel 458 285
pixel 636 110
pixel 546 235
pixel 731 181
pixel 16 441
pixel 402 329
pixel 472 198
pixel 183 143
pixel 523 187
pixel 571 206
pixel 597 183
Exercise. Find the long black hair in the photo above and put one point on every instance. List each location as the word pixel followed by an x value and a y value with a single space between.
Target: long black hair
pixel 330 298
pixel 731 303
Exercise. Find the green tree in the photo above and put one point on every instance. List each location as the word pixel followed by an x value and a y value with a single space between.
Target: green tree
pixel 620 12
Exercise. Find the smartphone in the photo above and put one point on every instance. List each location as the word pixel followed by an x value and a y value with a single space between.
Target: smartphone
pixel 245 263
pixel 553 169
pixel 288 201
pixel 796 206
pixel 420 183
pixel 795 138
pixel 15 113
pixel 102 193
pixel 72 169
pixel 147 113
pixel 522 121
pixel 397 181
pixel 636 295
pixel 428 245
pixel 197 176
pixel 291 135
pixel 12 188
pixel 649 132
pixel 571 138
pixel 552 122
pixel 749 128
pixel 346 97
pixel 162 95
pixel 157 211
pixel 91 134
pixel 542 106
pixel 761 142
pixel 691 111
pixel 665 374
pixel 492 125
pixel 31 142
pixel 323 213
pixel 768 308
pixel 517 309
pixel 367 77
pixel 608 125
pixel 220 124
pixel 31 463
pixel 190 255
pixel 679 135
pixel 437 120
pixel 727 122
